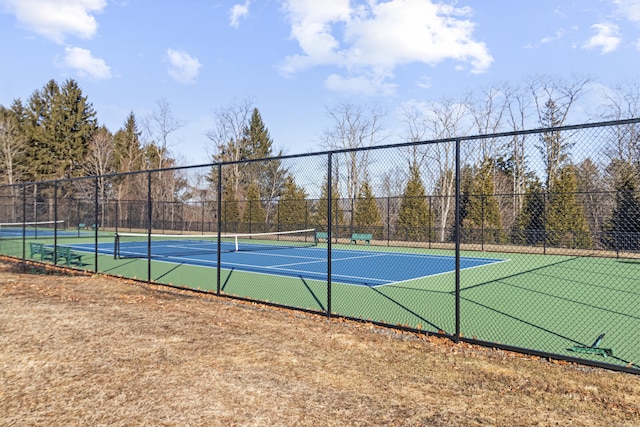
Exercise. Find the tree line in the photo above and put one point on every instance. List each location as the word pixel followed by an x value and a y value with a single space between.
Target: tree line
pixel 552 197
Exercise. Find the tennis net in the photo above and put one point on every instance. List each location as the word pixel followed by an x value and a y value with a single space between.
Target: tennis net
pixel 140 245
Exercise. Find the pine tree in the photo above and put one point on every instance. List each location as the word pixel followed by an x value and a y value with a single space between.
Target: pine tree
pixel 566 224
pixel 529 225
pixel 253 217
pixel 128 156
pixel 553 147
pixel 366 216
pixel 292 206
pixel 320 216
pixel 482 211
pixel 58 124
pixel 622 230
pixel 230 214
pixel 414 219
pixel 268 175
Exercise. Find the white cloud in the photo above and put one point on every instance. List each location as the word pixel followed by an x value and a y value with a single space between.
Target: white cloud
pixel 238 11
pixel 183 67
pixel 607 38
pixel 630 9
pixel 373 37
pixel 56 19
pixel 85 64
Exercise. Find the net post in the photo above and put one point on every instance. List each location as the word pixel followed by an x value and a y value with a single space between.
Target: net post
pixel 236 239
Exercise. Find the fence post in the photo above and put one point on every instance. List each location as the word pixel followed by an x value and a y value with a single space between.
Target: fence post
pixel 96 221
pixel 55 222
pixel 219 225
pixel 388 221
pixel 24 226
pixel 329 232
pixel 457 240
pixel 149 226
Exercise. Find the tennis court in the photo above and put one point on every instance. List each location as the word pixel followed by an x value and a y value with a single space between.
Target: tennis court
pixel 352 266
pixel 548 302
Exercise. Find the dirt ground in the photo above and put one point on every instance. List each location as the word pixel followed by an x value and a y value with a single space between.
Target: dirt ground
pixel 92 350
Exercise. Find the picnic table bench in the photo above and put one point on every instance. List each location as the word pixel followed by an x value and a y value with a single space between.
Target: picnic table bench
pixel 361 237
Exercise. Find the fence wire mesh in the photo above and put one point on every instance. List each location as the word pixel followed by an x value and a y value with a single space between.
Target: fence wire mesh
pixel 525 240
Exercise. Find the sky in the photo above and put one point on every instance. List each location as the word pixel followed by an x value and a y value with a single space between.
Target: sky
pixel 295 59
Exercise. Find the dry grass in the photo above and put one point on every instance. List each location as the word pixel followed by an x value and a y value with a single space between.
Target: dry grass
pixel 100 351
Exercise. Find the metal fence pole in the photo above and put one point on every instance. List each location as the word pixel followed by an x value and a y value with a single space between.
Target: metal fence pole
pixel 149 226
pixel 219 243
pixel 96 221
pixel 55 222
pixel 329 232
pixel 24 226
pixel 457 239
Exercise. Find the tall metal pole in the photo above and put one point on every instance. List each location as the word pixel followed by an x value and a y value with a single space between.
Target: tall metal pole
pixel 96 221
pixel 55 222
pixel 457 238
pixel 219 227
pixel 24 227
pixel 149 226
pixel 329 233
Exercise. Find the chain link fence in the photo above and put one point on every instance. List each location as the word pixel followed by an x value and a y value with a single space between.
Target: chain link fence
pixel 527 241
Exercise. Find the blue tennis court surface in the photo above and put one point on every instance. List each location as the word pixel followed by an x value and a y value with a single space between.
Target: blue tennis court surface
pixel 354 267
pixel 16 233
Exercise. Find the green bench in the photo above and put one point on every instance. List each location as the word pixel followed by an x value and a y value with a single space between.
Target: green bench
pixel 322 235
pixel 42 252
pixel 68 256
pixel 361 237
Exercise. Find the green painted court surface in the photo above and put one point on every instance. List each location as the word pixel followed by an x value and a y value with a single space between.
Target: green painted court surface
pixel 547 303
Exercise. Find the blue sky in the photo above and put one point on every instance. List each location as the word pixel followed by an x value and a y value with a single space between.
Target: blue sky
pixel 295 58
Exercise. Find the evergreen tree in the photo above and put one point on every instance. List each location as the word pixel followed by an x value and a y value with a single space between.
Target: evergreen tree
pixel 243 136
pixel 553 148
pixel 77 128
pixel 566 224
pixel 529 225
pixel 292 206
pixel 268 175
pixel 414 219
pixel 482 211
pixel 366 216
pixel 128 156
pixel 58 124
pixel 230 214
pixel 253 217
pixel 320 216
pixel 622 230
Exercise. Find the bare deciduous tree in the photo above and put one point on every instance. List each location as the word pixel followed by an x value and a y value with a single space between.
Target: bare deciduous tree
pixel 353 127
pixel 227 138
pixel 445 120
pixel 12 145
